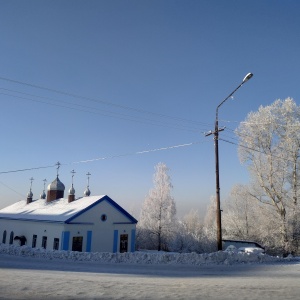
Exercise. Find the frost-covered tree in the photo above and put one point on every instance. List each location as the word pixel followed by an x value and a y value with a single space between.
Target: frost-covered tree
pixel 209 227
pixel 189 234
pixel 245 218
pixel 240 214
pixel 269 143
pixel 157 223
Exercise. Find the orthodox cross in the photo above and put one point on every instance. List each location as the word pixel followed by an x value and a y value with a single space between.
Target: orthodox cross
pixel 88 179
pixel 31 179
pixel 45 180
pixel 58 164
pixel 72 172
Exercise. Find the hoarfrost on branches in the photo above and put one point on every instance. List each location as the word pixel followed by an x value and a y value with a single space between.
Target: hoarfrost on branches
pixel 157 223
pixel 269 143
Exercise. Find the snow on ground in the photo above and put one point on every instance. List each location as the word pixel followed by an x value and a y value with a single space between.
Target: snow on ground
pixel 144 257
pixel 39 274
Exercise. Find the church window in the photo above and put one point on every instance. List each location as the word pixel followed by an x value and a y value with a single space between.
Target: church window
pixel 44 242
pixel 34 238
pixel 56 244
pixel 4 237
pixel 11 237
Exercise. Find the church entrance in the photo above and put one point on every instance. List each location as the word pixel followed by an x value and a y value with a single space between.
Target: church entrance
pixel 123 243
pixel 77 243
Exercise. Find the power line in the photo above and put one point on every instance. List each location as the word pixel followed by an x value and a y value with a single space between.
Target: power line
pixel 27 169
pixel 106 157
pixel 100 101
pixel 126 117
pixel 243 146
pixel 249 135
pixel 12 189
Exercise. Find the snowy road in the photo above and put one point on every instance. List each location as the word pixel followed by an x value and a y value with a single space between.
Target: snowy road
pixel 31 278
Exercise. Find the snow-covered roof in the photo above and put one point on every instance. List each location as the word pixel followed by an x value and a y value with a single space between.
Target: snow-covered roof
pixel 60 210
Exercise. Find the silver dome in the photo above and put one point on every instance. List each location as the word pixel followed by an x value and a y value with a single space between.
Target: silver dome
pixel 87 192
pixel 56 185
pixel 72 191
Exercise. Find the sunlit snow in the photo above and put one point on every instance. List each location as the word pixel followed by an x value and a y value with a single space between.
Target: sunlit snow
pixel 144 257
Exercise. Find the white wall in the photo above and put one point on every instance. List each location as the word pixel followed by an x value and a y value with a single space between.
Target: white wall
pixel 28 229
pixel 103 232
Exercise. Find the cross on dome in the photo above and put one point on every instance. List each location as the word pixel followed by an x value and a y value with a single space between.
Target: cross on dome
pixel 58 164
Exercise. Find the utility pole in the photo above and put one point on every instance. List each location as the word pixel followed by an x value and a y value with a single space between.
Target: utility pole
pixel 216 139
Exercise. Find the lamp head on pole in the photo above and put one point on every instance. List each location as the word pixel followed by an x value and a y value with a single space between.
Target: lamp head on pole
pixel 247 77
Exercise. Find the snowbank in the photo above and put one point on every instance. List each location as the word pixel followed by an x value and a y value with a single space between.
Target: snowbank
pixel 143 257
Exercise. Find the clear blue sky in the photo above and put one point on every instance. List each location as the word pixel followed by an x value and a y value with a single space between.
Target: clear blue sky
pixel 145 60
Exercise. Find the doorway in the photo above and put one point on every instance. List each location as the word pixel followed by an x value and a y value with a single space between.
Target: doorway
pixel 123 243
pixel 77 243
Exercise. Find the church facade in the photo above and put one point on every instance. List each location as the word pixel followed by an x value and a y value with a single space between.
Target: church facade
pixel 87 224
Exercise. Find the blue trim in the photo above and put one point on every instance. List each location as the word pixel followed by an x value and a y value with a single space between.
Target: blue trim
pixel 110 201
pixel 89 241
pixel 65 238
pixel 116 238
pixel 132 240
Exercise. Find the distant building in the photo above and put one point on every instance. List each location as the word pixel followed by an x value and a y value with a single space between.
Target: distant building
pixel 89 223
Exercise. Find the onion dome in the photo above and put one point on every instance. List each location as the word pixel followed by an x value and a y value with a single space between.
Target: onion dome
pixel 71 196
pixel 72 190
pixel 29 195
pixel 55 190
pixel 56 185
pixel 87 192
pixel 43 195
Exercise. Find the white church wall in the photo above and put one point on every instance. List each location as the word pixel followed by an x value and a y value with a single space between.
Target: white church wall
pixel 124 229
pixel 29 229
pixel 97 211
pixel 98 229
pixel 107 220
pixel 77 231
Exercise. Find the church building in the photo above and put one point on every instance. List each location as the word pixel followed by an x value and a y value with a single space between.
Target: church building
pixel 88 224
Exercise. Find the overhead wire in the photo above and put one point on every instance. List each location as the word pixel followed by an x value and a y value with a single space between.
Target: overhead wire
pixel 100 101
pixel 12 189
pixel 106 157
pixel 248 135
pixel 101 111
pixel 246 147
pixel 111 114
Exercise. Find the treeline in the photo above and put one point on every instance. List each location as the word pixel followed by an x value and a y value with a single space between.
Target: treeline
pixel 265 211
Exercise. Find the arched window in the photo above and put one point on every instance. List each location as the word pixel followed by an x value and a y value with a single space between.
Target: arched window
pixel 11 238
pixel 4 237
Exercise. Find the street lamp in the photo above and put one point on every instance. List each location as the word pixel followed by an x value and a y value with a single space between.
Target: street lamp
pixel 216 139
